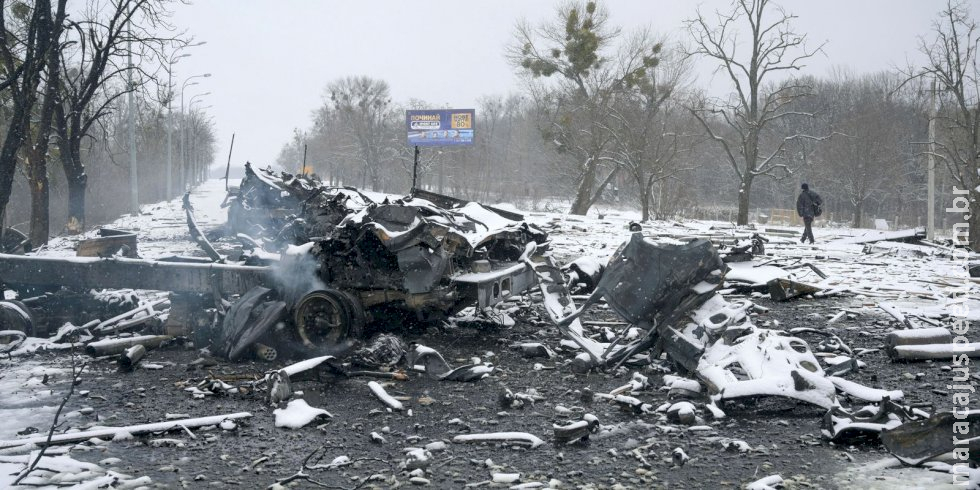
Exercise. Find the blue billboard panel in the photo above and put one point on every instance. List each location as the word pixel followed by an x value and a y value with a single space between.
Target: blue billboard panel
pixel 450 127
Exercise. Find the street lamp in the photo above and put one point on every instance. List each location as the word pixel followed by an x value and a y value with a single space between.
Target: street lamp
pixel 170 115
pixel 183 150
pixel 193 138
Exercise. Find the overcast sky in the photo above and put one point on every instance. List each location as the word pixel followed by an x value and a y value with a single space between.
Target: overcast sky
pixel 269 61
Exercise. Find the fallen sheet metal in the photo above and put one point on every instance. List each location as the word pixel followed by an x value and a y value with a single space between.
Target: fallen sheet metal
pixel 247 321
pixel 944 432
pixel 110 242
pixel 765 363
pixel 652 286
pixel 785 289
pixel 649 283
pixel 196 234
pixel 433 364
pixel 842 425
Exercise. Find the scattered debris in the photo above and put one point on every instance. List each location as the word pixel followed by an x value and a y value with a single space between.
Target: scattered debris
pixel 111 432
pixel 511 437
pixel 770 364
pixel 115 346
pixel 679 457
pixel 110 242
pixel 576 431
pixel 785 289
pixel 934 351
pixel 920 440
pixel 298 414
pixel 133 355
pixel 772 482
pixel 385 398
pixel 431 362
pixel 842 425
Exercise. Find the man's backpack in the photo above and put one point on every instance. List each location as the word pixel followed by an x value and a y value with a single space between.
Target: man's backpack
pixel 817 209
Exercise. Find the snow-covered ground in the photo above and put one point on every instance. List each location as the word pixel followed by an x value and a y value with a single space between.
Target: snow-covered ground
pixel 895 276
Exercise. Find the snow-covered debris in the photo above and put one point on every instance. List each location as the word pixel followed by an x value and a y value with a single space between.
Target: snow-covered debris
pixel 515 437
pixel 298 414
pixel 385 398
pixel 772 482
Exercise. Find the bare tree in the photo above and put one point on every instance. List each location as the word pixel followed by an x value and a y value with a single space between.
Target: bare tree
pixel 953 62
pixel 94 59
pixel 37 141
pixel 739 122
pixel 574 48
pixel 27 37
pixel 646 126
pixel 363 105
pixel 874 124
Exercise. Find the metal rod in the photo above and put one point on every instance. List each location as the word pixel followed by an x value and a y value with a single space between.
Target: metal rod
pixel 228 167
pixel 302 171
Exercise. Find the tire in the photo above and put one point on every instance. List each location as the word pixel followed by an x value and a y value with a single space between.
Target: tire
pixel 328 318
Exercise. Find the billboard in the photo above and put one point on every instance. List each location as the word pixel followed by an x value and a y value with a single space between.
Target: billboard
pixel 448 127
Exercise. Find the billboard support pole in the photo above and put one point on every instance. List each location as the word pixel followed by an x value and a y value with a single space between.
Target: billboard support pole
pixel 302 170
pixel 415 169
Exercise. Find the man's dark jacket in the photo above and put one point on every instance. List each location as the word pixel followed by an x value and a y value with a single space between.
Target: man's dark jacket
pixel 805 203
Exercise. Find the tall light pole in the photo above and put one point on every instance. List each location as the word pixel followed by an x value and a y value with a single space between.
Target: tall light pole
pixel 931 181
pixel 170 113
pixel 193 140
pixel 183 158
pixel 170 119
pixel 133 177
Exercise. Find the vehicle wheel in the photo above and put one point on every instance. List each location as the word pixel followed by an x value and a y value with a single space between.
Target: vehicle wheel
pixel 15 315
pixel 328 317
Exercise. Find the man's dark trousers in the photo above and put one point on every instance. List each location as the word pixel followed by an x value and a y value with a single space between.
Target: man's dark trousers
pixel 807 230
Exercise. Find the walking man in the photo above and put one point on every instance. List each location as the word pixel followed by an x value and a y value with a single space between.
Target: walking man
pixel 808 205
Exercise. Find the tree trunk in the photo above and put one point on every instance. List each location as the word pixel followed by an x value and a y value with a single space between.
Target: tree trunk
pixel 858 208
pixel 645 192
pixel 37 175
pixel 583 196
pixel 77 184
pixel 743 200
pixel 8 152
pixel 974 221
pixel 71 163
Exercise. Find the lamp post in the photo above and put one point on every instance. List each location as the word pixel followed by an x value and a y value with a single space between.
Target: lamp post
pixel 170 113
pixel 170 119
pixel 183 158
pixel 133 178
pixel 192 147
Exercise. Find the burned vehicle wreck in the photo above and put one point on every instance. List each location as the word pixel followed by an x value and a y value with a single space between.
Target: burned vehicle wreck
pixel 347 260
pixel 307 267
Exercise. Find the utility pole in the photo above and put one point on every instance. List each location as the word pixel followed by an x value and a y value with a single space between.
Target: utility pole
pixel 170 133
pixel 133 170
pixel 931 193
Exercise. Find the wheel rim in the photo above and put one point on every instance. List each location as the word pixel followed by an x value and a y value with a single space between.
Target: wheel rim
pixel 322 319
